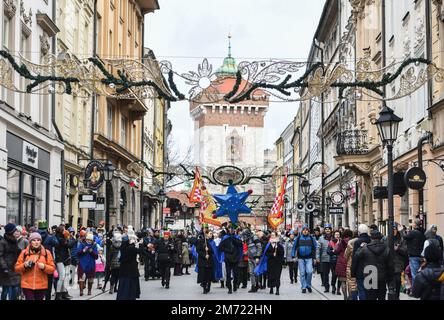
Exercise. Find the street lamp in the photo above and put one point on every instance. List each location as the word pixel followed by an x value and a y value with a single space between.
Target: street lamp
pixel 162 197
pixel 305 187
pixel 387 124
pixel 108 172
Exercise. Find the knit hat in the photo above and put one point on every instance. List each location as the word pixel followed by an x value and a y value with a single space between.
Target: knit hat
pixel 362 228
pixel 35 235
pixel 90 236
pixel 305 226
pixel 43 225
pixel 82 233
pixel 327 225
pixel 71 229
pixel 10 228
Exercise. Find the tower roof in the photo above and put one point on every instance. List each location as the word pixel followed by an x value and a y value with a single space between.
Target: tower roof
pixel 229 66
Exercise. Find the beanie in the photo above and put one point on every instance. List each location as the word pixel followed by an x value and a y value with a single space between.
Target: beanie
pixel 376 235
pixel 432 253
pixel 362 228
pixel 35 235
pixel 43 225
pixel 10 228
pixel 90 236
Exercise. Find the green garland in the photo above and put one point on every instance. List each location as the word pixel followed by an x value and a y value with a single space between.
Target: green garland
pixel 37 80
pixel 123 83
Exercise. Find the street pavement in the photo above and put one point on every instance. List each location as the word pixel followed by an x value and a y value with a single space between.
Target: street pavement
pixel 185 288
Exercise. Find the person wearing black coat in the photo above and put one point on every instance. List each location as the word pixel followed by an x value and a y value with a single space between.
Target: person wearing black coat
pixel 415 243
pixel 205 261
pixel 9 253
pixel 275 255
pixel 62 260
pixel 376 254
pixel 165 249
pixel 231 246
pixel 400 262
pixel 429 283
pixel 129 285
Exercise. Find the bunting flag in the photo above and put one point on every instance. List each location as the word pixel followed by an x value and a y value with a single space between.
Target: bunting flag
pixel 196 192
pixel 276 216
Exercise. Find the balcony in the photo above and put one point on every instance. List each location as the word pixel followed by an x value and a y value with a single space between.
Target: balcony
pixel 148 5
pixel 352 142
pixel 355 153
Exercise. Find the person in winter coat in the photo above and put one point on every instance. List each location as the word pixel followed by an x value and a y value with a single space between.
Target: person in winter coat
pixel 332 245
pixel 352 286
pixel 275 255
pixel 129 284
pixel 9 253
pixel 149 259
pixel 34 264
pixel 363 239
pixel 432 237
pixel 63 261
pixel 429 283
pixel 165 249
pixel 291 261
pixel 399 262
pixel 74 257
pixel 186 262
pixel 22 242
pixel 265 238
pixel 415 243
pixel 242 267
pixel 323 257
pixel 205 261
pixel 49 241
pixel 341 263
pixel 376 254
pixel 304 249
pixel 112 264
pixel 254 254
pixel 177 256
pixel 231 245
pixel 88 252
pixel 100 268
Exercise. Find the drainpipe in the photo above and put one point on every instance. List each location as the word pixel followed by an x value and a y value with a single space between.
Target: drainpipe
pixel 59 134
pixel 428 138
pixel 93 104
pixel 429 54
pixel 142 140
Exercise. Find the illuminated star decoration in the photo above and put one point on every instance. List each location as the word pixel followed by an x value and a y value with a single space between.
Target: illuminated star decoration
pixel 232 203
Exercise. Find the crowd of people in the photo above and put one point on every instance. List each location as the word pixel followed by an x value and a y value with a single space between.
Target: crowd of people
pixel 356 264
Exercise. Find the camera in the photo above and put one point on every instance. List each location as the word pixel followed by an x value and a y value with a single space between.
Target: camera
pixel 31 264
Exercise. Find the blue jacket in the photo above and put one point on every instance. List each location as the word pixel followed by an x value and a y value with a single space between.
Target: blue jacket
pixel 48 241
pixel 87 260
pixel 305 246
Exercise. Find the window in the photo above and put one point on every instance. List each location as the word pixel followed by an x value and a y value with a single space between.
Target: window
pixel 25 105
pixel 13 196
pixel 41 199
pixel 123 128
pixel 110 119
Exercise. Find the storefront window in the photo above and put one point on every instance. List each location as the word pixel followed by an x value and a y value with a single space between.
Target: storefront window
pixel 41 199
pixel 13 193
pixel 27 184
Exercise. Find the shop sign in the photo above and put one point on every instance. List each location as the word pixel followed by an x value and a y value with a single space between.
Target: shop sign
pixel 87 201
pixel 94 174
pixel 336 210
pixel 100 204
pixel 30 155
pixel 415 178
pixel 337 198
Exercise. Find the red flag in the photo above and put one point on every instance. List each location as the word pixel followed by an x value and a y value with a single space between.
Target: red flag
pixel 196 192
pixel 276 216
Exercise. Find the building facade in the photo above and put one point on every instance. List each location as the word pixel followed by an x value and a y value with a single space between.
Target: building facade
pixel 31 165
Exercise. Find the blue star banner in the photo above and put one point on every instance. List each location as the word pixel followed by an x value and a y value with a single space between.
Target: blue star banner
pixel 232 204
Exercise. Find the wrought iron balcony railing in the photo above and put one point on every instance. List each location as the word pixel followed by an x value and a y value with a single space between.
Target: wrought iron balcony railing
pixel 352 142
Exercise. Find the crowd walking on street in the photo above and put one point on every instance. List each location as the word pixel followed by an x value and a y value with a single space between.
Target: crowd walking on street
pixel 36 260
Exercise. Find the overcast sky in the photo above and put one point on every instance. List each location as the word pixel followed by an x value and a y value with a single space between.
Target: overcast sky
pixel 185 31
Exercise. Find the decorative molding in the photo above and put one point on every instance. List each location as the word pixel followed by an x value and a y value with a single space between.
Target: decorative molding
pixel 44 44
pixel 46 23
pixel 9 8
pixel 27 18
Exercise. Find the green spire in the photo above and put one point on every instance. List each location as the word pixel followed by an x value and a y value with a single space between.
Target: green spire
pixel 229 67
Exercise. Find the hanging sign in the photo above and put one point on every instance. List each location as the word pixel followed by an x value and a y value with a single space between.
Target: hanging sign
pixel 337 198
pixel 94 174
pixel 415 178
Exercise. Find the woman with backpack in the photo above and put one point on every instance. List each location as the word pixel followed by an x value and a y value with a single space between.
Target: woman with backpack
pixel 34 264
pixel 63 261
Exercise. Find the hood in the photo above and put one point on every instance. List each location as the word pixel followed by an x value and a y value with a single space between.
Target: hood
pixel 377 247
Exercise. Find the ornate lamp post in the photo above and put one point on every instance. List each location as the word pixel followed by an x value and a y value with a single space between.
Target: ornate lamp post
pixel 108 172
pixel 305 187
pixel 387 124
pixel 162 197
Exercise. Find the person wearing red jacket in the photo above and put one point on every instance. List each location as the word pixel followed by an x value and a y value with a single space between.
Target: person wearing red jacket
pixel 341 263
